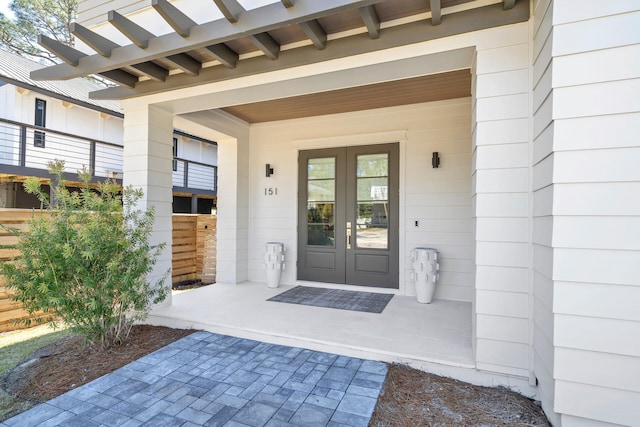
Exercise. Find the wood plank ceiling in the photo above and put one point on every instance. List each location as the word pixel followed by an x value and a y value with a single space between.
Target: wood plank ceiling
pixel 279 35
pixel 437 87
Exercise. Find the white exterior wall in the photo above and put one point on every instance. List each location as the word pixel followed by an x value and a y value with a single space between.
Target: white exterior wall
pixel 542 188
pixel 438 198
pixel 596 212
pixel 501 205
pixel 190 149
pixel 73 119
pixel 147 166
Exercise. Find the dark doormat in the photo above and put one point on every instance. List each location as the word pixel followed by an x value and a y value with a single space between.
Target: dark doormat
pixel 369 302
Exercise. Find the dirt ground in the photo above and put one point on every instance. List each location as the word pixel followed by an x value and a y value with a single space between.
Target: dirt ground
pixel 409 397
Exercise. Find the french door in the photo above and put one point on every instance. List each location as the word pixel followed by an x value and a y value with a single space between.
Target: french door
pixel 348 215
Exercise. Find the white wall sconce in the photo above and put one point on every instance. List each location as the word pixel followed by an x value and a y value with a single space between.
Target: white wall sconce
pixel 268 170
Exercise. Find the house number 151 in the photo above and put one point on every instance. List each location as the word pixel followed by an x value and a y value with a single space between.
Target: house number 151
pixel 270 191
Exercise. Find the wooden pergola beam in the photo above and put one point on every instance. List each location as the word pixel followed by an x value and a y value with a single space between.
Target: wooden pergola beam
pixel 253 21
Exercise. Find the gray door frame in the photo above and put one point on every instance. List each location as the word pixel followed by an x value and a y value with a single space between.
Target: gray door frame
pixel 337 263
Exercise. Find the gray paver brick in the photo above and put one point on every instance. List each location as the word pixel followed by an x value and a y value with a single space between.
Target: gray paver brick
pixel 152 411
pixel 194 416
pixel 127 408
pixel 110 418
pixel 163 420
pixel 358 405
pixel 210 379
pixel 307 388
pixel 58 419
pixel 363 391
pixel 281 378
pixel 103 401
pixel 348 419
pixel 215 392
pixel 255 414
pixel 76 421
pixel 373 367
pixel 311 415
pixel 341 374
pixel 222 416
pixel 325 402
pixel 131 423
pixel 179 405
pixel 323 358
pixel 269 399
pixel 105 383
pixel 242 378
pixel 126 389
pixel 283 414
pixel 233 401
pixel 251 390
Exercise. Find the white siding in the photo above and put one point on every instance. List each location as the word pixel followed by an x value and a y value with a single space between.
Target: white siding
pixel 588 108
pixel 147 165
pixel 439 199
pixel 543 191
pixel 501 205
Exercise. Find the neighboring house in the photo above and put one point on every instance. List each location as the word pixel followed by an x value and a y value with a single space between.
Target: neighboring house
pixel 42 121
pixel 531 105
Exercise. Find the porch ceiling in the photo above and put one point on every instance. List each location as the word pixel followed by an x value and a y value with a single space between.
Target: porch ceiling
pixel 279 35
pixel 437 87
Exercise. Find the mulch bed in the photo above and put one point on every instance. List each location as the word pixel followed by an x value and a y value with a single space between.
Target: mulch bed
pixel 409 397
pixel 70 363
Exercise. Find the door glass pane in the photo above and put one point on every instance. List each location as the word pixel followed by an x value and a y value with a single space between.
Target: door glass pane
pixel 321 198
pixel 372 183
pixel 373 165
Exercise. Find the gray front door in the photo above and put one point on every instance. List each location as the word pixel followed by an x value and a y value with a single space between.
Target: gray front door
pixel 348 215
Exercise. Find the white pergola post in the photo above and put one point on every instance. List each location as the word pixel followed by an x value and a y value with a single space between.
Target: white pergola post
pixel 148 154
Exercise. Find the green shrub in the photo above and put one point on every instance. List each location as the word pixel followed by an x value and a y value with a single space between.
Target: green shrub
pixel 87 261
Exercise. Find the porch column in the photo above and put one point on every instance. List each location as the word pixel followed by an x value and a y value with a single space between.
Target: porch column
pixel 500 191
pixel 233 210
pixel 148 154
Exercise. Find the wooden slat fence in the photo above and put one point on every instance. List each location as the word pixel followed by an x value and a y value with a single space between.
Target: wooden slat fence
pixel 194 248
pixel 10 311
pixel 193 254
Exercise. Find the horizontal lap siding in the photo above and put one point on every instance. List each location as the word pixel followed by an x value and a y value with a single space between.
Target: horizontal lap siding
pixel 439 199
pixel 501 206
pixel 543 191
pixel 596 79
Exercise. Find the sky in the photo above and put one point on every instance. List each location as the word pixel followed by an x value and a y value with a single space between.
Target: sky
pixel 4 8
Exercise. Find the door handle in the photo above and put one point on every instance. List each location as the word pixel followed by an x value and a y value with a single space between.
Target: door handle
pixel 348 235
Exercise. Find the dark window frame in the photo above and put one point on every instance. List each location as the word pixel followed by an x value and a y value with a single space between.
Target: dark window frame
pixel 175 154
pixel 40 119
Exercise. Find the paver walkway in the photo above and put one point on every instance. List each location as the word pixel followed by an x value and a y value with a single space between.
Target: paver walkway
pixel 214 380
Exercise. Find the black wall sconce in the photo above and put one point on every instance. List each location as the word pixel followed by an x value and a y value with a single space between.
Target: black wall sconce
pixel 435 160
pixel 269 170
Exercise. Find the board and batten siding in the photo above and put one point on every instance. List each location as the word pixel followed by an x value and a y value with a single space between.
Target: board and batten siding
pixel 596 211
pixel 439 199
pixel 500 195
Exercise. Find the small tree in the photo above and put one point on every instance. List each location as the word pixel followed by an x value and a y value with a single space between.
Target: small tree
pixel 86 262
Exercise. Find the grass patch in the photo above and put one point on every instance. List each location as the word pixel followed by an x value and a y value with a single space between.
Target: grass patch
pixel 15 346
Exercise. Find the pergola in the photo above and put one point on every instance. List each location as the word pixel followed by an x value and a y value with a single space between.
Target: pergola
pixel 276 36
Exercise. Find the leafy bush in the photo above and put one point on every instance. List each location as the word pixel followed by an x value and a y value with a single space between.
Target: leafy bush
pixel 87 261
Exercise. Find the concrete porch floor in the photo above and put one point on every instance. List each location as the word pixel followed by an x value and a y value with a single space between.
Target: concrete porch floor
pixel 435 337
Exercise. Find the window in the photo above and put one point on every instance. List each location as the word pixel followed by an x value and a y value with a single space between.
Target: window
pixel 40 120
pixel 175 154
